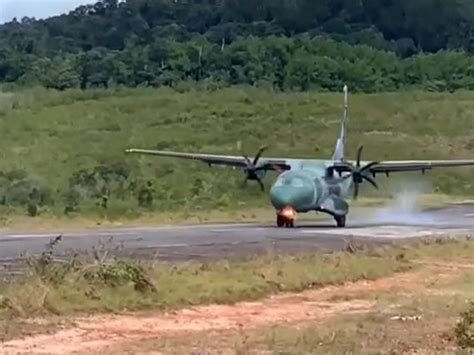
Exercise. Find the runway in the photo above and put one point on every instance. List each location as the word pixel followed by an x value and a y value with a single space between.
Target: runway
pixel 214 241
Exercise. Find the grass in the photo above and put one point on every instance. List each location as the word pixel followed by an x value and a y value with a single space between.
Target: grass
pixel 106 285
pixel 53 221
pixel 57 289
pixel 406 318
pixel 51 294
pixel 50 136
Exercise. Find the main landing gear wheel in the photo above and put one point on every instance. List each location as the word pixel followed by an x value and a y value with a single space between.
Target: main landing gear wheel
pixel 341 221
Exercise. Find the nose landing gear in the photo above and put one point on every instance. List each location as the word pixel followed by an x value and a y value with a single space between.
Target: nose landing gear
pixel 283 222
pixel 286 218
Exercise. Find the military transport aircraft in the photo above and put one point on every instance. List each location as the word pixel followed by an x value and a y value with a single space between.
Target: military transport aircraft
pixel 305 185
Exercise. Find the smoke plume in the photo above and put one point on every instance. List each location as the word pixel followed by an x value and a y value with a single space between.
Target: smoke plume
pixel 405 208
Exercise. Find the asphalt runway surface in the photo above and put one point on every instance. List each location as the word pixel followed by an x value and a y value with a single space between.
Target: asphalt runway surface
pixel 173 243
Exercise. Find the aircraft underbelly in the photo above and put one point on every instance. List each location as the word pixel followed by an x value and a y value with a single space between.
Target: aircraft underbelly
pixel 334 204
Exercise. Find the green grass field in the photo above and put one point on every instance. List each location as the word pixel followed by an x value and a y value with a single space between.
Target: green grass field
pixel 48 136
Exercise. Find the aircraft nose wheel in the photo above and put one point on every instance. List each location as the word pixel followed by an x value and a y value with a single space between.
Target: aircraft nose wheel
pixel 282 222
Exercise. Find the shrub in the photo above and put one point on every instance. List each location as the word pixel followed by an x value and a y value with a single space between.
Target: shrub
pixel 465 328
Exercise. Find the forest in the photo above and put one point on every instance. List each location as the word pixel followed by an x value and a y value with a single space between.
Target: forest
pixel 373 45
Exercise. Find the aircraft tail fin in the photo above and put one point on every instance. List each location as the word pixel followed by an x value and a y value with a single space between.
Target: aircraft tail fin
pixel 341 141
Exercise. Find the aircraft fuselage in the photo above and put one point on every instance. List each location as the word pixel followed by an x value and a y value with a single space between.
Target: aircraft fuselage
pixel 310 189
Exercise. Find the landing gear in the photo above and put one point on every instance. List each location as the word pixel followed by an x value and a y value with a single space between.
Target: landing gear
pixel 341 221
pixel 286 217
pixel 281 221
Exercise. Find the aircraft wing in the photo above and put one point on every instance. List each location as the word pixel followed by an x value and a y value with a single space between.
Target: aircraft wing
pixel 407 165
pixel 282 164
pixel 239 162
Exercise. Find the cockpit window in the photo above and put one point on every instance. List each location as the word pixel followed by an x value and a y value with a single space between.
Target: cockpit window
pixel 290 181
pixel 296 182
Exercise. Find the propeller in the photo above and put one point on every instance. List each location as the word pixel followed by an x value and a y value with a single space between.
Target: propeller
pixel 358 173
pixel 251 169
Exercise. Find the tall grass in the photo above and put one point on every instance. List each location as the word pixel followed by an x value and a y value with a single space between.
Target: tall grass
pixel 48 136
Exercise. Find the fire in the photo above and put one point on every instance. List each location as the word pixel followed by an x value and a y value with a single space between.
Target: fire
pixel 289 213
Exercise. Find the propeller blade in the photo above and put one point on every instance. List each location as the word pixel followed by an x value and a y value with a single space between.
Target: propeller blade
pixel 357 172
pixel 251 169
pixel 372 181
pixel 368 166
pixel 249 163
pixel 356 191
pixel 359 154
pixel 260 151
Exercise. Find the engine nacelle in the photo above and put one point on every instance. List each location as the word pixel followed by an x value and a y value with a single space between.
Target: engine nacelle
pixel 255 175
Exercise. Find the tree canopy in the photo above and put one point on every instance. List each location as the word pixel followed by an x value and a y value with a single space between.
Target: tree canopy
pixel 289 44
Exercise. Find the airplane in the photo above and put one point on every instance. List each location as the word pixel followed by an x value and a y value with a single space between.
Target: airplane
pixel 304 185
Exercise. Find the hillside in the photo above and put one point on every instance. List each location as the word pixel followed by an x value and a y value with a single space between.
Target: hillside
pixel 286 44
pixel 71 144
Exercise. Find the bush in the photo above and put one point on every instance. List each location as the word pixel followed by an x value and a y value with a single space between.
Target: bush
pixel 120 273
pixel 465 328
pixel 23 189
pixel 32 210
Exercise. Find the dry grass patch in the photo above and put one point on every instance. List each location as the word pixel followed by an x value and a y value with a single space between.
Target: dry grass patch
pixel 420 317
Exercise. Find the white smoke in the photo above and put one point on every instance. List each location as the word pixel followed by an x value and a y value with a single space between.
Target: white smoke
pixel 405 208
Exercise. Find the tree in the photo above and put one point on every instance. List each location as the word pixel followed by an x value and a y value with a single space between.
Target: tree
pixel 164 42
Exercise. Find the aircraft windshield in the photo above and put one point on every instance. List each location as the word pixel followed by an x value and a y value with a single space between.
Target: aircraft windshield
pixel 290 181
pixel 296 182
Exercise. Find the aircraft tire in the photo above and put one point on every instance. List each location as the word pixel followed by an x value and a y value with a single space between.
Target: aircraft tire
pixel 341 221
pixel 280 222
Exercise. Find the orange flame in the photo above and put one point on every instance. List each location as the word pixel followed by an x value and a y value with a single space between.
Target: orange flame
pixel 289 213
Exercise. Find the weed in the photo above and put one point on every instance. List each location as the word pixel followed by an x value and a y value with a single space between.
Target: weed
pixel 46 268
pixel 465 328
pixel 53 280
pixel 119 273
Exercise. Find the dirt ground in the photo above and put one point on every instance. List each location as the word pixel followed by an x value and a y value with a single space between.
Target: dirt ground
pixel 102 334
